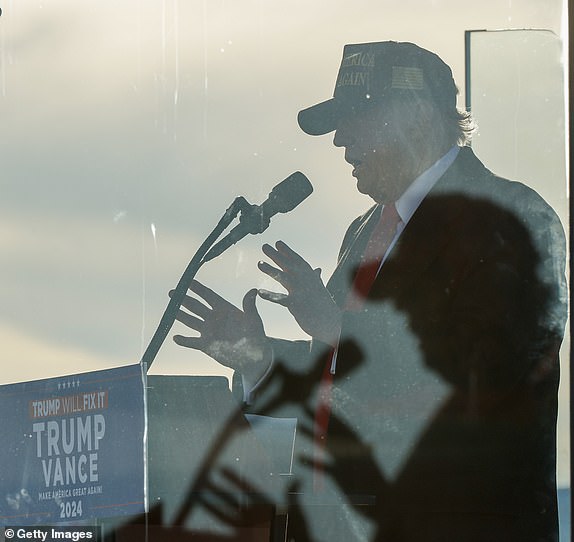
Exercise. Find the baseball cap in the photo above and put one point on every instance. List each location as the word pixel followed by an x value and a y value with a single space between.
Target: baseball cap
pixel 370 72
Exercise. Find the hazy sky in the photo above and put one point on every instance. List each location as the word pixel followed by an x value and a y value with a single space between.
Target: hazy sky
pixel 127 129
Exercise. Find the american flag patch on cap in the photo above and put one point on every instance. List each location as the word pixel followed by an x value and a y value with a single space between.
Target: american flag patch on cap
pixel 407 78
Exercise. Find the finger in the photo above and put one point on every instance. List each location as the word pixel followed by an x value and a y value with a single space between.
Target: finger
pixel 239 484
pixel 242 485
pixel 171 293
pixel 284 248
pixel 189 320
pixel 285 258
pixel 213 299
pixel 222 503
pixel 275 256
pixel 189 342
pixel 196 307
pixel 221 492
pixel 248 304
pixel 274 297
pixel 276 274
pixel 287 252
pixel 270 251
pixel 216 502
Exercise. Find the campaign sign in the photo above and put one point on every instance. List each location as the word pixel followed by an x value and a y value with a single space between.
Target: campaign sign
pixel 72 448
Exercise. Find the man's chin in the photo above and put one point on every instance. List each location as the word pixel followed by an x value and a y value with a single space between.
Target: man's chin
pixel 362 188
pixel 376 197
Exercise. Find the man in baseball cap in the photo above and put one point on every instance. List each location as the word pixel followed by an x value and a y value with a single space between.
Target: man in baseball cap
pixel 426 395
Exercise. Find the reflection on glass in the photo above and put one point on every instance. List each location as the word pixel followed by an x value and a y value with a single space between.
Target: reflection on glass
pixel 128 128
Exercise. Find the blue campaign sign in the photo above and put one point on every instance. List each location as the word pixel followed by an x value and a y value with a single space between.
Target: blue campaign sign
pixel 73 447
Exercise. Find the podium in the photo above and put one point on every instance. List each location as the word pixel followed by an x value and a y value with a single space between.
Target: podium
pixel 207 472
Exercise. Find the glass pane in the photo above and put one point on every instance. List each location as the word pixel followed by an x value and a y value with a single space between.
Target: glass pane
pixel 128 128
pixel 519 105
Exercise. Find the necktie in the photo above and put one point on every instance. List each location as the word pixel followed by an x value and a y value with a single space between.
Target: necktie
pixel 377 246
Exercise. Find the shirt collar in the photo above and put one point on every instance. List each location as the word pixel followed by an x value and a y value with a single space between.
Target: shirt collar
pixel 412 197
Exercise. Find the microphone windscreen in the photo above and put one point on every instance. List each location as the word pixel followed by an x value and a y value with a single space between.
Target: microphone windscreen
pixel 289 193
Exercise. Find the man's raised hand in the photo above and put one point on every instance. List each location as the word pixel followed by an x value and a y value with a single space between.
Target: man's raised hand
pixel 233 337
pixel 307 299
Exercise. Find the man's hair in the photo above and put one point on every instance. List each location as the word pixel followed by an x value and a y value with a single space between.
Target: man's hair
pixel 436 125
pixel 458 126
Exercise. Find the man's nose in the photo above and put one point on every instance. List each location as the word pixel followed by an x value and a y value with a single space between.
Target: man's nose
pixel 342 137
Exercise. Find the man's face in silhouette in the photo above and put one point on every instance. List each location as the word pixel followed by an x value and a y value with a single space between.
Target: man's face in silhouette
pixel 385 144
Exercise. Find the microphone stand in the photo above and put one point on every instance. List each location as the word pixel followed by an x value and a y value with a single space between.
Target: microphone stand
pixel 239 205
pixel 253 220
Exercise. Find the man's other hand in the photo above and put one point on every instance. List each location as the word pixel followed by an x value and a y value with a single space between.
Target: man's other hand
pixel 233 337
pixel 307 299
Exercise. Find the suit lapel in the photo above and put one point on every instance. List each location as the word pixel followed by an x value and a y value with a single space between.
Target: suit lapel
pixel 428 232
pixel 350 257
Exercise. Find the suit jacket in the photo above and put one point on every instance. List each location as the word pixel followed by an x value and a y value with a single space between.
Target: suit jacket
pixel 445 395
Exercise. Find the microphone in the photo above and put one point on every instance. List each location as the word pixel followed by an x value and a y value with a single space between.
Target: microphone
pixel 255 218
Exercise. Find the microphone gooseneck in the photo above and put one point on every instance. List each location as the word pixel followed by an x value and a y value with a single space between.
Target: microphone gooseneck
pixel 254 219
